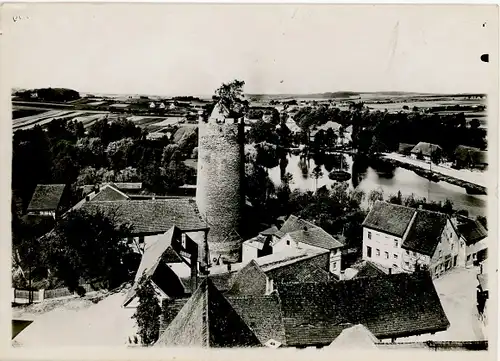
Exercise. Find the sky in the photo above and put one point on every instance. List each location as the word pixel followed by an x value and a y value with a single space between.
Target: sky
pixel 167 49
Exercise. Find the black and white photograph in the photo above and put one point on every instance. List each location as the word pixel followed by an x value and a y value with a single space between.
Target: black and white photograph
pixel 283 176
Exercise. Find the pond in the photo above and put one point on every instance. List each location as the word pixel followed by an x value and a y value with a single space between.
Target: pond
pixel 390 182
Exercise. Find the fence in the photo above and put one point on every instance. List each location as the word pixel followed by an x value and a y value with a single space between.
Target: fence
pixel 23 296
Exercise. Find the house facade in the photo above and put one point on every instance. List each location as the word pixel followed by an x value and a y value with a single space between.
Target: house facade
pixel 295 235
pixel 425 151
pixel 400 238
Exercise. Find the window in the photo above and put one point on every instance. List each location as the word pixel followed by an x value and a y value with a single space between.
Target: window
pixel 386 255
pixel 394 266
pixel 407 264
pixel 369 235
pixel 452 246
pixel 440 253
pixel 287 242
pixel 368 251
pixel 334 265
pixel 378 252
pixel 395 256
pixel 396 243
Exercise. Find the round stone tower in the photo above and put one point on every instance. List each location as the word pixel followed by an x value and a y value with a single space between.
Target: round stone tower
pixel 219 188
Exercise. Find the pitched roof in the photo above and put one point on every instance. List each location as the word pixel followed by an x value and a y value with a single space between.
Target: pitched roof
pixel 306 232
pixel 152 260
pixel 369 269
pixel 389 218
pixel 425 148
pixel 109 193
pixel 316 237
pixel 425 232
pixel 250 280
pixel 153 216
pixel 405 147
pixel 263 315
pixel 395 305
pixel 46 197
pixel 208 320
pixel 272 231
pixel 472 231
pixel 357 336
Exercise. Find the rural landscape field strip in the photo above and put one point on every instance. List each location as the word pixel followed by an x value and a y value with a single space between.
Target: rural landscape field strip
pixel 23 122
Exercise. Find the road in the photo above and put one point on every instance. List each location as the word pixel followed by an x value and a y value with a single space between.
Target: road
pixel 478 178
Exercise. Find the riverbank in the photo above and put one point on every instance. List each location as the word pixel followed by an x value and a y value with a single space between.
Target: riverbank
pixel 473 185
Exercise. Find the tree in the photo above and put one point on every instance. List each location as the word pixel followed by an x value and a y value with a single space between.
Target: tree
pixel 374 196
pixel 436 157
pixel 232 97
pixel 147 314
pixel 87 246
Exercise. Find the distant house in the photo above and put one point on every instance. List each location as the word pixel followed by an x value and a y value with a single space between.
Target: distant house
pixel 399 238
pixel 470 157
pixel 152 105
pixel 405 148
pixel 425 151
pixel 474 235
pixel 262 244
pixel 47 200
pixel 208 319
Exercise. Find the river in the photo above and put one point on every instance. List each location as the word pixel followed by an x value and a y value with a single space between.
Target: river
pixel 402 180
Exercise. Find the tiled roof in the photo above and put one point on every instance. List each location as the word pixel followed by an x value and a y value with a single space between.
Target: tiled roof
pixel 208 320
pixel 472 231
pixel 271 231
pixel 152 259
pixel 389 218
pixel 425 148
pixel 46 197
pixel 425 232
pixel 250 280
pixel 316 237
pixel 110 193
pixel 263 315
pixel 308 233
pixel 369 269
pixel 153 216
pixel 395 305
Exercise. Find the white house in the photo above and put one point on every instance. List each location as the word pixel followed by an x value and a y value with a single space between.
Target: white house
pixel 399 238
pixel 425 150
pixel 152 105
pixel 475 237
pixel 296 235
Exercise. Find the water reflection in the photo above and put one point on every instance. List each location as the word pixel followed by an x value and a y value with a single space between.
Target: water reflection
pixel 366 178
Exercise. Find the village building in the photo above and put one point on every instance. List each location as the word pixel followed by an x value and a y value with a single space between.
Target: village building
pixel 405 148
pixel 148 219
pixel 302 315
pixel 475 237
pixel 208 319
pixel 174 264
pixel 470 157
pixel 296 234
pixel 400 238
pixel 425 151
pixel 47 200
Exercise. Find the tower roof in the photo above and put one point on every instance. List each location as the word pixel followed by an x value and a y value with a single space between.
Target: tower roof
pixel 208 320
